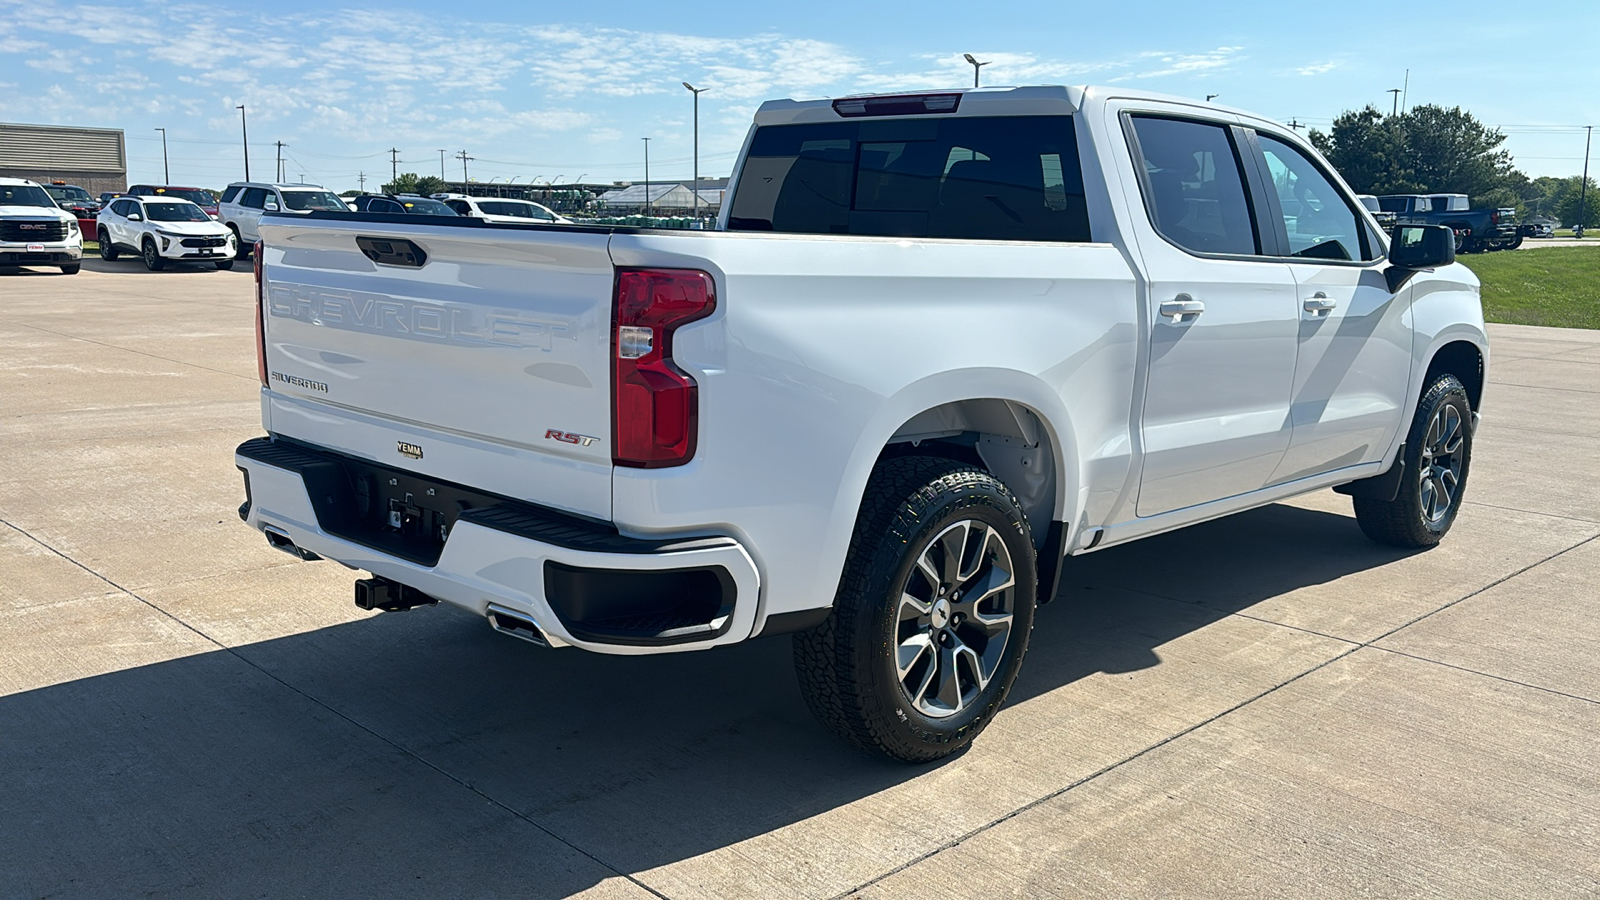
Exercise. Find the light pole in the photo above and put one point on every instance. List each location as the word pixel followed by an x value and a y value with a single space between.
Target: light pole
pixel 166 170
pixel 1211 97
pixel 1395 108
pixel 244 129
pixel 441 165
pixel 280 145
pixel 646 175
pixel 695 187
pixel 975 67
pixel 1583 191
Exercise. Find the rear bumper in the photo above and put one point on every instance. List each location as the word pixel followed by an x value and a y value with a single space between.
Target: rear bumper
pixel 580 583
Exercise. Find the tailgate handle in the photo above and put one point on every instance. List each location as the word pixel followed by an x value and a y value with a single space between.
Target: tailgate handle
pixel 392 252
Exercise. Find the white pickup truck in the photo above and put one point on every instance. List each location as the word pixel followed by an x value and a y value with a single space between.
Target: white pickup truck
pixel 938 345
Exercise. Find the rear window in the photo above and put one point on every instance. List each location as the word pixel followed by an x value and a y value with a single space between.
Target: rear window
pixel 513 208
pixel 980 178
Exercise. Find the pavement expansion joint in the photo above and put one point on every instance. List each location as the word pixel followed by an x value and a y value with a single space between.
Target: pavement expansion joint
pixel 176 362
pixel 399 747
pixel 1354 647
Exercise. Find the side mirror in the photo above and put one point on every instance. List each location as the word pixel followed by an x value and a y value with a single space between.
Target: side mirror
pixel 135 217
pixel 272 206
pixel 1413 247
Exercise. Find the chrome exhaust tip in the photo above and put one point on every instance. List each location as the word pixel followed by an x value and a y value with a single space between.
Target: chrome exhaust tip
pixel 280 540
pixel 516 624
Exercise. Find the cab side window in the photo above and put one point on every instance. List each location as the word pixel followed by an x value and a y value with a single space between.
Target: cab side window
pixel 1319 221
pixel 460 206
pixel 1194 185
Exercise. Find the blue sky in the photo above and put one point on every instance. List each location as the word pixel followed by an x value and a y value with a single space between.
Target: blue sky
pixel 539 90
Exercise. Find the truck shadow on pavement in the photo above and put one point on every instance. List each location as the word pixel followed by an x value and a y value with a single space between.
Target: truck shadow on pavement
pixel 421 754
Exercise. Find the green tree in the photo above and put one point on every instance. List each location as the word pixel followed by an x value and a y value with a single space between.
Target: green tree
pixel 1426 150
pixel 1560 198
pixel 429 185
pixel 404 183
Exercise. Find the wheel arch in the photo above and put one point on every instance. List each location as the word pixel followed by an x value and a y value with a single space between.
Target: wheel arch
pixel 1463 359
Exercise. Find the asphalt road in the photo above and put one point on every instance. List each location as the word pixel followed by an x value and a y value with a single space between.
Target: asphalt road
pixel 1264 706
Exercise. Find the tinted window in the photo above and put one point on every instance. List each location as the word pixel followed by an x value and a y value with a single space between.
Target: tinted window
pixel 1319 221
pixel 255 198
pixel 1014 178
pixel 424 206
pixel 175 212
pixel 313 200
pixel 384 205
pixel 24 195
pixel 124 208
pixel 1194 186
pixel 460 206
pixel 508 208
pixel 231 192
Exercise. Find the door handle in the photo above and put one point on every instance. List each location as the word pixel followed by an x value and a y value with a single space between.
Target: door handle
pixel 1319 304
pixel 1182 308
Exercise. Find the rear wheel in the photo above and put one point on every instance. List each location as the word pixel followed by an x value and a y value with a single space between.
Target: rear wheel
pixel 108 250
pixel 1438 454
pixel 933 613
pixel 152 256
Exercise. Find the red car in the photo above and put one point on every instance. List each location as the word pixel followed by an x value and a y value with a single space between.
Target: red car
pixel 198 196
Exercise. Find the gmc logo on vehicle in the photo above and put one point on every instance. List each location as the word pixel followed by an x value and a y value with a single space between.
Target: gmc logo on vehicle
pixel 582 440
pixel 29 227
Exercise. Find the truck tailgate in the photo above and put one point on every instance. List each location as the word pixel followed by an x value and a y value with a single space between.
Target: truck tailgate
pixel 477 355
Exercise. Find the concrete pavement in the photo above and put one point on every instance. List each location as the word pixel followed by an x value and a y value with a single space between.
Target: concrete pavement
pixel 1268 705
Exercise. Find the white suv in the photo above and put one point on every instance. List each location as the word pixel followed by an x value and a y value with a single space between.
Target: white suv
pixel 163 229
pixel 34 230
pixel 245 202
pixel 496 209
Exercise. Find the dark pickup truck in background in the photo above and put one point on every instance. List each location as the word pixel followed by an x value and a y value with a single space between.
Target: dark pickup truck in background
pixel 1476 230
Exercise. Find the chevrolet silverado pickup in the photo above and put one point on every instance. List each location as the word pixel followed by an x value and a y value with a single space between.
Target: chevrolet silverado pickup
pixel 938 345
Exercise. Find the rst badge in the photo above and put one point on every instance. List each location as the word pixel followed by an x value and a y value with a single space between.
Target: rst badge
pixel 565 437
pixel 409 451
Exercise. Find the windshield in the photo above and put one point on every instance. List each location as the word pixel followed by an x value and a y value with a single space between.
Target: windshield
pixel 422 206
pixel 24 195
pixel 303 200
pixel 67 192
pixel 193 195
pixel 518 208
pixel 1371 203
pixel 176 211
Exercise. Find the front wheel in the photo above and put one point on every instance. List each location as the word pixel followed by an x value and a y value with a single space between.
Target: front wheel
pixel 1438 453
pixel 224 264
pixel 932 616
pixel 108 250
pixel 71 268
pixel 152 256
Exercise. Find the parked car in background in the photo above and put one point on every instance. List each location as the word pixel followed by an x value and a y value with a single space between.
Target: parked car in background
pixel 1540 227
pixel 245 202
pixel 162 230
pixel 1476 230
pixel 108 196
pixel 496 209
pixel 401 204
pixel 1385 219
pixel 72 198
pixel 198 196
pixel 35 231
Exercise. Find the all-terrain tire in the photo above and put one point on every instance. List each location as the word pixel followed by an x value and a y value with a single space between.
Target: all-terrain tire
pixel 1413 519
pixel 847 666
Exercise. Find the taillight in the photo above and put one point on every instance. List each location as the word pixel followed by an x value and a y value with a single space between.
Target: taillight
pixel 1494 218
pixel 261 325
pixel 654 404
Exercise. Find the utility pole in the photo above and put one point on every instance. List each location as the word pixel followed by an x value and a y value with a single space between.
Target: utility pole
pixel 280 145
pixel 1583 191
pixel 695 187
pixel 394 166
pixel 1296 124
pixel 975 67
pixel 441 165
pixel 646 175
pixel 362 180
pixel 1211 97
pixel 1405 88
pixel 244 129
pixel 464 159
pixel 166 170
pixel 1395 106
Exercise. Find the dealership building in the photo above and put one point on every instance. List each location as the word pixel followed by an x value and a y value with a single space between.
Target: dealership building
pixel 94 159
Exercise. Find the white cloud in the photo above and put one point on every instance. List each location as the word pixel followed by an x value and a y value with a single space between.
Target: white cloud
pixel 1317 69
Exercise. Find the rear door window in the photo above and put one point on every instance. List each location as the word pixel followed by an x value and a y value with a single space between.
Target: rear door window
pixel 978 178
pixel 231 192
pixel 254 198
pixel 1194 185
